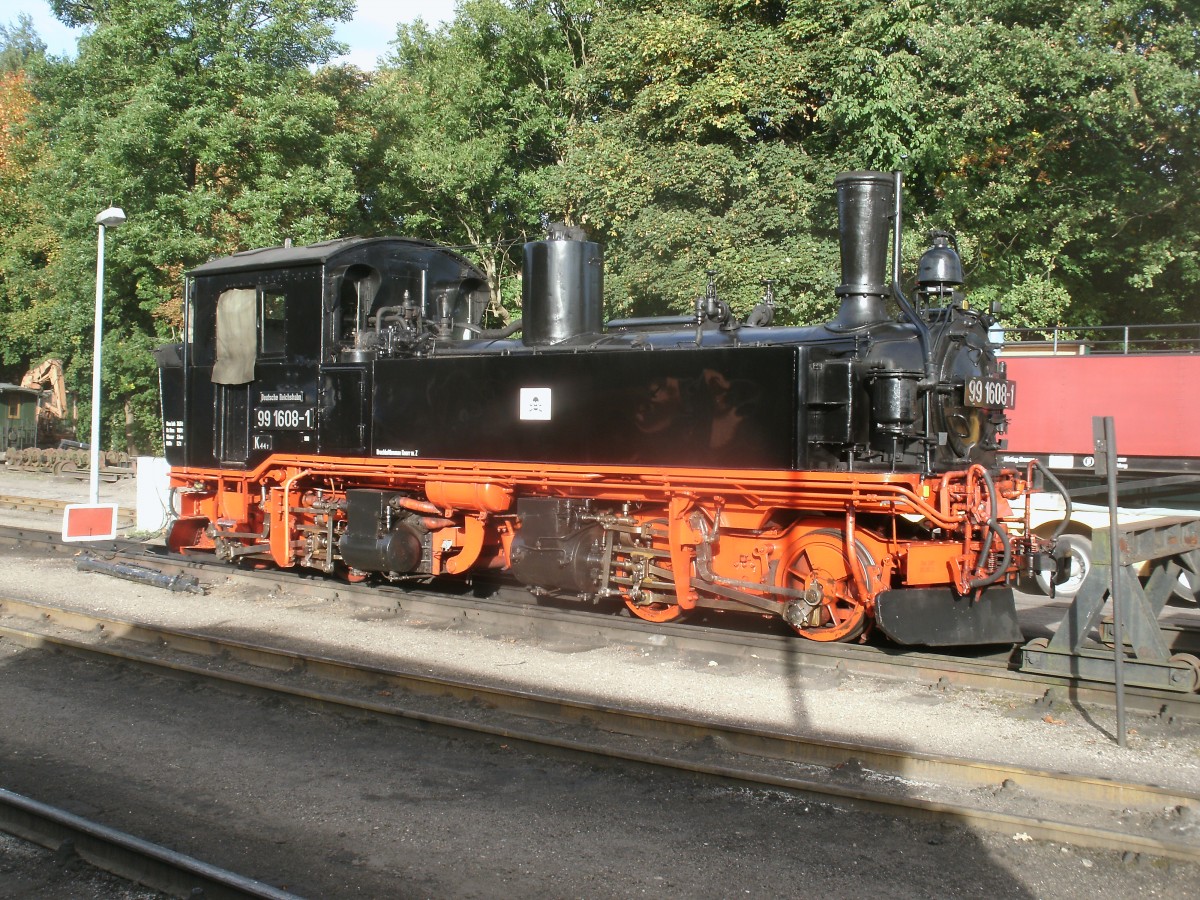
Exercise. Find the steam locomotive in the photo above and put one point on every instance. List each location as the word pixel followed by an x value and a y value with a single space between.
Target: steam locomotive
pixel 339 406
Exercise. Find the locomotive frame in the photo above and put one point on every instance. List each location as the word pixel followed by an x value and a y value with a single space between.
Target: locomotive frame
pixel 339 407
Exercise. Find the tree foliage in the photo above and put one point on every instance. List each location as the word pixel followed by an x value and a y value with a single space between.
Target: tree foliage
pixel 693 158
pixel 468 117
pixel 1060 142
pixel 20 45
pixel 204 122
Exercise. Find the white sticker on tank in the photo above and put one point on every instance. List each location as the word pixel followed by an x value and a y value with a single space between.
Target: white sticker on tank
pixel 1061 461
pixel 535 404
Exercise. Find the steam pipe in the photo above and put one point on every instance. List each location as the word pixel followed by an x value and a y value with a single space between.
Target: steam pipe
pixel 1070 508
pixel 507 331
pixel 704 569
pixel 854 565
pixel 924 338
pixel 287 512
pixel 923 335
pixel 995 529
pixel 412 504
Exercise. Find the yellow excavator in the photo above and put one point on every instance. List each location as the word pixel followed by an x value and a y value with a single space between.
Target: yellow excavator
pixel 57 451
pixel 53 421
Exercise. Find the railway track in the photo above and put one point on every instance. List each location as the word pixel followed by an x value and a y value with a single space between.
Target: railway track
pixel 126 856
pixel 125 517
pixel 1003 798
pixel 515 613
pixel 974 792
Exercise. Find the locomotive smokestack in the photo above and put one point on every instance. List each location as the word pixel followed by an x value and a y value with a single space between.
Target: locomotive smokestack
pixel 865 202
pixel 562 290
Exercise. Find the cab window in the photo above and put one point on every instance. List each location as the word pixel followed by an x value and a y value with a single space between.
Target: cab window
pixel 272 323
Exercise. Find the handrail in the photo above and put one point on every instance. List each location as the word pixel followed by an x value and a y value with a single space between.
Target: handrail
pixel 1087 340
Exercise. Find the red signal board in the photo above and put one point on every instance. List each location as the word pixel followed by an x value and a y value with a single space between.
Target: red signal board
pixel 90 522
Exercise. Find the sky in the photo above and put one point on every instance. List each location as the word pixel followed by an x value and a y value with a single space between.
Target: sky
pixel 368 34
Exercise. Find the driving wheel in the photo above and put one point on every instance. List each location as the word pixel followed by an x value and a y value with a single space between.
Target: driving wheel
pixel 829 609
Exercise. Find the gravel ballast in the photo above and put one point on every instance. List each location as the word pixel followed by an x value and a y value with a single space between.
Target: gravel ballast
pixel 342 808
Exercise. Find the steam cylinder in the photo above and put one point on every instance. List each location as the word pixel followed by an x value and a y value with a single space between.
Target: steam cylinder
pixel 865 206
pixel 562 294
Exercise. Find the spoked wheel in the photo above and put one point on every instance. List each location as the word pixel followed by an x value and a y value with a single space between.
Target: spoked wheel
pixel 655 611
pixel 652 594
pixel 817 565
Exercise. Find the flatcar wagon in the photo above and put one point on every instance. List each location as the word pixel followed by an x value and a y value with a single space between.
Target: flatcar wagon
pixel 339 407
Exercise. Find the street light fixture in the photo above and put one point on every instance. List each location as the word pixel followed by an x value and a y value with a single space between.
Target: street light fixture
pixel 111 218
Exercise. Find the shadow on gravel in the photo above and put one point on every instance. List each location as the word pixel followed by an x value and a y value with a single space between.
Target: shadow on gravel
pixel 331 806
pixel 913 856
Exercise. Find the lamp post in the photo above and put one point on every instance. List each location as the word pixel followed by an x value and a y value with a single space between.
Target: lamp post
pixel 110 218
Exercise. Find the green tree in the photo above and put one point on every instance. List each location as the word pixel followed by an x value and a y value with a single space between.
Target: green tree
pixel 20 45
pixel 695 158
pixel 468 118
pixel 1059 142
pixel 206 123
pixel 25 242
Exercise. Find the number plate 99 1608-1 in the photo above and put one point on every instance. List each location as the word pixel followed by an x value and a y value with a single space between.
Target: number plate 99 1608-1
pixel 993 392
pixel 287 417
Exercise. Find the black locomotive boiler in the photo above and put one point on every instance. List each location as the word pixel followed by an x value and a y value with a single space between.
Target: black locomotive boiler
pixel 339 407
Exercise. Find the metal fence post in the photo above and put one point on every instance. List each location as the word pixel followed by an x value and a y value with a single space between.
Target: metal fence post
pixel 1104 433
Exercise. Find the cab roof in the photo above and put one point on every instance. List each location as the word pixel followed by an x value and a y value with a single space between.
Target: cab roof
pixel 319 253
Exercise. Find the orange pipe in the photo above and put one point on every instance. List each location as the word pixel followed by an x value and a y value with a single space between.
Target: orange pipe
pixel 854 565
pixel 480 496
pixel 421 506
pixel 488 486
pixel 287 514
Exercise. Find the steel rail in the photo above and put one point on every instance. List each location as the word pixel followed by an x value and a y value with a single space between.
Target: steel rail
pixel 779 652
pixel 125 855
pixel 46 505
pixel 776 652
pixel 764 759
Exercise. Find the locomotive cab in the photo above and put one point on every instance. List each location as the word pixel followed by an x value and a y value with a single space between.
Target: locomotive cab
pixel 279 344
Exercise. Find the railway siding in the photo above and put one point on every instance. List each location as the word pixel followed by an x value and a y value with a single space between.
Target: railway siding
pixel 869 738
pixel 1087 811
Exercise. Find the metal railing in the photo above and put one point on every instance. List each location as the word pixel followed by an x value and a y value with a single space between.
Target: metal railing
pixel 1100 339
